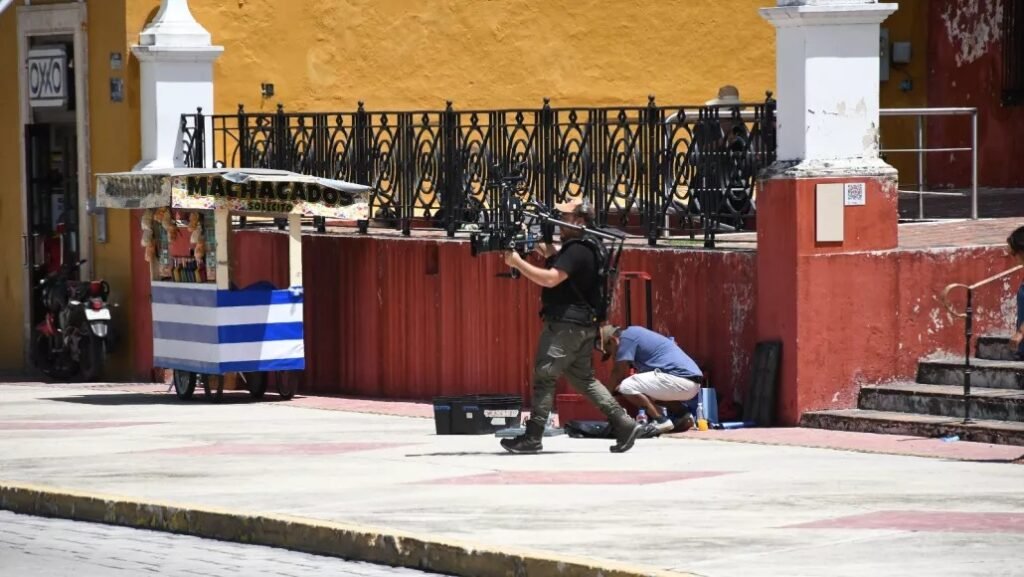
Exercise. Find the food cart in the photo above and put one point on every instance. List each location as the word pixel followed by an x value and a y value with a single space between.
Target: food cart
pixel 206 329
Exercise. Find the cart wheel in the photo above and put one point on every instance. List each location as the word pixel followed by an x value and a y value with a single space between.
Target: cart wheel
pixel 184 384
pixel 257 384
pixel 286 385
pixel 213 387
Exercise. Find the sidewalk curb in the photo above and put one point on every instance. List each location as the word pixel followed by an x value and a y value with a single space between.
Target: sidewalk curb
pixel 352 542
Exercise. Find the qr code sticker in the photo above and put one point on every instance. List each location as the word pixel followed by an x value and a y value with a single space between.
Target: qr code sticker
pixel 854 194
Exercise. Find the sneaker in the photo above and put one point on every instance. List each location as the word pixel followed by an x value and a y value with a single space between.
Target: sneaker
pixel 626 432
pixel 522 445
pixel 664 426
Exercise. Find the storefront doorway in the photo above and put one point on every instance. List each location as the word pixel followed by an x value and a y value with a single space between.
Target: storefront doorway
pixel 55 229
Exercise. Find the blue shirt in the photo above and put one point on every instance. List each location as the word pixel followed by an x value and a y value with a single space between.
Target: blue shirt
pixel 649 351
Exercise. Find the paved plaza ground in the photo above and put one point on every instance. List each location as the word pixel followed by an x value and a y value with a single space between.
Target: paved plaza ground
pixel 749 502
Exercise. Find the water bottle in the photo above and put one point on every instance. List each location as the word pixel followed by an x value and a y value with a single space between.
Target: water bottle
pixel 641 417
pixel 702 422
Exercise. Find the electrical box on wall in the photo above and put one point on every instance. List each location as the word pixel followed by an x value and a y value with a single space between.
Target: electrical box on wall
pixel 901 52
pixel 883 54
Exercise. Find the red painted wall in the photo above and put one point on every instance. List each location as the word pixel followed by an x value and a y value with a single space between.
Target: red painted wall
pixel 810 309
pixel 888 312
pixel 965 67
pixel 413 319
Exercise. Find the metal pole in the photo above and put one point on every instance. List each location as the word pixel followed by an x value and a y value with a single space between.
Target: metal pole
pixel 920 167
pixel 629 302
pixel 974 165
pixel 968 333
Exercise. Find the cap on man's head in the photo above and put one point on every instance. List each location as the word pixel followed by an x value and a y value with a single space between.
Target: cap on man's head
pixel 577 206
pixel 727 95
pixel 607 332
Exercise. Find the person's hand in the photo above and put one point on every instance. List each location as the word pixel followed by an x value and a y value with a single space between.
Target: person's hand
pixel 512 258
pixel 1016 339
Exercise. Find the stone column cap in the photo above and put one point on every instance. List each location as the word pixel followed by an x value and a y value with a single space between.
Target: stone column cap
pixel 827 12
pixel 174 25
pixel 177 53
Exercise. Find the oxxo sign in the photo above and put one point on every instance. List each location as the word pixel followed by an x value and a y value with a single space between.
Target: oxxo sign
pixel 47 76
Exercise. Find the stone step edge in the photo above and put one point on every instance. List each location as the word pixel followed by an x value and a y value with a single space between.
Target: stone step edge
pixel 948 391
pixel 976 363
pixel 912 424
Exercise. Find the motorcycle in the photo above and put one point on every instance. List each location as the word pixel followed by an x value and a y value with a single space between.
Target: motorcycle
pixel 74 336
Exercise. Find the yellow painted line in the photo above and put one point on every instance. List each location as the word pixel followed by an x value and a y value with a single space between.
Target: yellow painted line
pixel 348 541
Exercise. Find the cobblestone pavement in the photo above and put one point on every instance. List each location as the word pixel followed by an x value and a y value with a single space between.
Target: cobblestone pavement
pixel 40 547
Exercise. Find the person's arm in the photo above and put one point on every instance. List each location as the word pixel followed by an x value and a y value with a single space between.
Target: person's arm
pixel 619 372
pixel 545 277
pixel 544 249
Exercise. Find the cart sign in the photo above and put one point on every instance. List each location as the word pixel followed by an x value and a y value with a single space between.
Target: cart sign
pixel 264 196
pixel 47 77
pixel 238 190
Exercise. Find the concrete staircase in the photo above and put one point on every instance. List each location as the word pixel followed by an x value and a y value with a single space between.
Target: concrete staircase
pixel 934 405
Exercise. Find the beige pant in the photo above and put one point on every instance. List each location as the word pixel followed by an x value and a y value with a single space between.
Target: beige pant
pixel 659 386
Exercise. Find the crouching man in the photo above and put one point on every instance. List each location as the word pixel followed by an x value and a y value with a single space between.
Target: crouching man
pixel 664 373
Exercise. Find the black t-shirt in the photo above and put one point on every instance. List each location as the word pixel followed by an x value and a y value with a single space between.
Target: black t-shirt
pixel 580 263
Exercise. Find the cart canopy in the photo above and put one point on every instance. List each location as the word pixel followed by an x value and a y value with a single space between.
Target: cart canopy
pixel 245 190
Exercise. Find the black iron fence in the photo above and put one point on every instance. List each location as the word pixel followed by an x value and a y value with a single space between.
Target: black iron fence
pixel 656 169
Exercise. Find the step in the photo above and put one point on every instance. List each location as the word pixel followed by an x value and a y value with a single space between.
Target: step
pixel 862 421
pixel 944 400
pixel 984 373
pixel 995 348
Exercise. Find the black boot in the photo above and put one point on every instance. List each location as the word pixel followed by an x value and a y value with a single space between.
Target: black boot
pixel 626 431
pixel 528 443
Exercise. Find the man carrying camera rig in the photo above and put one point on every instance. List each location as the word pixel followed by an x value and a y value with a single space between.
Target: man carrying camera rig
pixel 570 297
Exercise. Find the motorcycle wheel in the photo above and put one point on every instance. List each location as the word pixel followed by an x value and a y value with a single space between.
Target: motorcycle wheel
pixel 47 362
pixel 90 353
pixel 184 384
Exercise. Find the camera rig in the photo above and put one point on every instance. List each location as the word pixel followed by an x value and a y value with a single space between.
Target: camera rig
pixel 514 225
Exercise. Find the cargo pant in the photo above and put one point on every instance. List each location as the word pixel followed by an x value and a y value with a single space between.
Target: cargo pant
pixel 567 348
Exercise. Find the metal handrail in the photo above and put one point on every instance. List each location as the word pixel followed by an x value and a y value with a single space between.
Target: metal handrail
pixel 920 113
pixel 968 314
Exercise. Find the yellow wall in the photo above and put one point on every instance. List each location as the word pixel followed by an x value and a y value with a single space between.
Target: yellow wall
pixel 908 24
pixel 115 146
pixel 397 54
pixel 11 259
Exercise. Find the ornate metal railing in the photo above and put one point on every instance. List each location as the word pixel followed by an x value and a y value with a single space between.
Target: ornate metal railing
pixel 678 169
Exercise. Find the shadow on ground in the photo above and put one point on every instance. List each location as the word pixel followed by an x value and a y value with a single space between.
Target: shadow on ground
pixel 239 398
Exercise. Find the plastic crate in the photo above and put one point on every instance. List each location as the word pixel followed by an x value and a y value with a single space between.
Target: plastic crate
pixel 476 414
pixel 443 415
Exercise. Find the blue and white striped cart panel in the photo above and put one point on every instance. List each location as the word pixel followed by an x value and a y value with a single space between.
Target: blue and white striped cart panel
pixel 198 328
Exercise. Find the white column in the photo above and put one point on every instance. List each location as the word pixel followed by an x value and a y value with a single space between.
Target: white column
pixel 827 76
pixel 176 67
